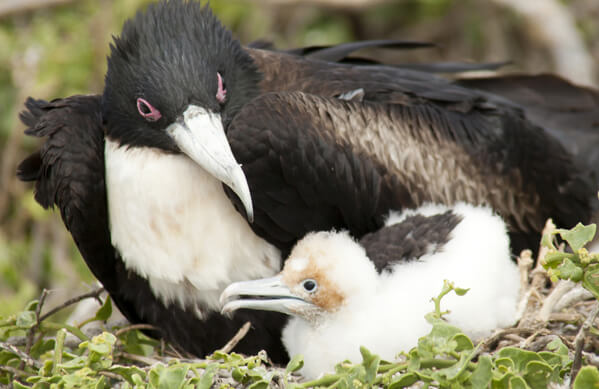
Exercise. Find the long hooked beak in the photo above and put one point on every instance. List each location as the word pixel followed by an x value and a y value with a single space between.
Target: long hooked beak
pixel 201 136
pixel 269 294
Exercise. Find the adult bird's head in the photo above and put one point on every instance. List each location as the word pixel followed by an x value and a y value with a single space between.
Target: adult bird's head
pixel 175 78
pixel 325 273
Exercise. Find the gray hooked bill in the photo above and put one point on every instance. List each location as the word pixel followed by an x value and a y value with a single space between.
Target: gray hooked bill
pixel 201 136
pixel 267 294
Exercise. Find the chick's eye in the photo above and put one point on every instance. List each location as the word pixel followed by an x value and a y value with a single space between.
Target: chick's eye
pixel 147 111
pixel 310 285
pixel 221 91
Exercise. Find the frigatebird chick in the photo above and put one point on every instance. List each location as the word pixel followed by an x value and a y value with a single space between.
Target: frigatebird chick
pixel 375 292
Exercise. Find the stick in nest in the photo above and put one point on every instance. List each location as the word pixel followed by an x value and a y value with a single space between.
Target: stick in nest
pixel 579 341
pixel 94 293
pixel 237 338
pixel 26 359
pixel 539 275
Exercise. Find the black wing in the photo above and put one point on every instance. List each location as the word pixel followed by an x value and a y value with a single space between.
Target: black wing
pixel 69 172
pixel 416 235
pixel 315 163
pixel 568 112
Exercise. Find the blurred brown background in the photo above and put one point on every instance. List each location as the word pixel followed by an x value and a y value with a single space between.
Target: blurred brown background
pixel 54 48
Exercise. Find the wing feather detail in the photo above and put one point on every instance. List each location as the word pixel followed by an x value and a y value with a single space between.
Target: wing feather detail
pixel 351 162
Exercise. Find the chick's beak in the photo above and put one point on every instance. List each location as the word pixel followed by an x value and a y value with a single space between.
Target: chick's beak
pixel 267 294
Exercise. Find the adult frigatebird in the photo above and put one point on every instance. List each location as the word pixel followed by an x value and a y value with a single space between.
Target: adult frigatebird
pixel 138 172
pixel 375 292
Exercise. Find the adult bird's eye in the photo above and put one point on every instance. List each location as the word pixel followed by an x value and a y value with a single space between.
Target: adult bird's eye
pixel 146 110
pixel 221 91
pixel 310 285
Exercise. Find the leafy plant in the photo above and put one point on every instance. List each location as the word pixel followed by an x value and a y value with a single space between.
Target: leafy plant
pixel 579 265
pixel 34 353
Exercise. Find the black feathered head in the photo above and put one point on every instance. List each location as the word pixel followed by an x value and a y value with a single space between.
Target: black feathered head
pixel 171 55
pixel 175 78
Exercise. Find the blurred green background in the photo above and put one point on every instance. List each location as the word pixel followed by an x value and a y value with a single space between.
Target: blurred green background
pixel 55 48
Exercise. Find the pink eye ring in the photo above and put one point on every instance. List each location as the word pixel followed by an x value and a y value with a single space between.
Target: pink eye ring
pixel 221 92
pixel 146 110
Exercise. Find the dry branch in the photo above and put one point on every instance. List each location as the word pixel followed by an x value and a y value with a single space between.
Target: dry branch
pixel 579 340
pixel 347 4
pixel 551 22
pixel 237 338
pixel 11 7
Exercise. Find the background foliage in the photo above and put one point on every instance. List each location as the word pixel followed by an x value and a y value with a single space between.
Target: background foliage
pixel 49 52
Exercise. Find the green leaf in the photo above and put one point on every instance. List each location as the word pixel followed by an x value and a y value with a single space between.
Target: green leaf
pixel 578 236
pixel 41 347
pixel 127 372
pixel 137 380
pixel 587 378
pixel 173 377
pixel 404 380
pixel 538 374
pixel 208 377
pixel 100 348
pixel 568 270
pixel 104 312
pixel 557 346
pixel 517 382
pixel 296 363
pixel 162 377
pixel 501 381
pixel 26 319
pixel 481 376
pixel 439 340
pixel 451 373
pixel 547 241
pixel 554 258
pixel 461 291
pixel 238 375
pixel 505 364
pixel 520 357
pixel 262 384
pixel 463 343
pixel 100 384
pixel 371 364
pixel 32 305
pixel 17 385
pixel 591 280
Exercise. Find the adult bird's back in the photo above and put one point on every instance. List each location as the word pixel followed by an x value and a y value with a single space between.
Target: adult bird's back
pixel 203 162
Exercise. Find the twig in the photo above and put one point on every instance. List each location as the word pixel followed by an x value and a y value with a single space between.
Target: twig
pixel 94 293
pixel 525 344
pixel 579 341
pixel 175 352
pixel 345 4
pixel 524 266
pixel 14 371
pixel 539 275
pixel 591 358
pixel 111 375
pixel 139 358
pixel 485 344
pixel 550 302
pixel 237 338
pixel 24 357
pixel 515 338
pixel 579 293
pixel 552 23
pixel 565 317
pixel 8 7
pixel 525 263
pixel 31 332
pixel 136 327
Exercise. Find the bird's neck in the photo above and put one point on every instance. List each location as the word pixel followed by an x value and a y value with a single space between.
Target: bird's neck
pixel 173 225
